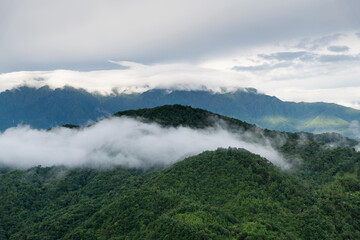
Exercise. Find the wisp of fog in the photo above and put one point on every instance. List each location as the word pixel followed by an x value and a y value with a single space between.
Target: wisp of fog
pixel 118 142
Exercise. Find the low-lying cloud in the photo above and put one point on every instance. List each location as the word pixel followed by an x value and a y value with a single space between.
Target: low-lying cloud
pixel 133 77
pixel 118 142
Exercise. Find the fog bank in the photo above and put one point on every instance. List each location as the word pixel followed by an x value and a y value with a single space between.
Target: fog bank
pixel 117 142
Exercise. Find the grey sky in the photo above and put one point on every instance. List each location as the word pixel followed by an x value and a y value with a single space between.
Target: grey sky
pixel 41 34
pixel 297 50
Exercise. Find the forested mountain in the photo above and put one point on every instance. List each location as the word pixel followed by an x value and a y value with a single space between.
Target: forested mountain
pixel 223 194
pixel 46 108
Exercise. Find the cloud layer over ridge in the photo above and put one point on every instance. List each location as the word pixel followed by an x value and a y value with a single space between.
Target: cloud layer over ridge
pixel 117 142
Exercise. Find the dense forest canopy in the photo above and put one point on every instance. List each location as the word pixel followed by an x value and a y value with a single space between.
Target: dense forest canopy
pixel 223 194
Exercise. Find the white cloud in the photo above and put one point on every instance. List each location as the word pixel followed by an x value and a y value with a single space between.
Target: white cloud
pixel 293 72
pixel 286 71
pixel 136 78
pixel 118 141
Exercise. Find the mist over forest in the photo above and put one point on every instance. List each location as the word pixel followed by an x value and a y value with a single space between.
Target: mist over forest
pixel 118 142
pixel 179 120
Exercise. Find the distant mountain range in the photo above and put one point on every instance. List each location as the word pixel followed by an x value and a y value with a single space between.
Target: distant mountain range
pixel 45 108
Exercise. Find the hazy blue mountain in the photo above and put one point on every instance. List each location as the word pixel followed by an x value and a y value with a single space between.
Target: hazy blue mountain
pixel 45 108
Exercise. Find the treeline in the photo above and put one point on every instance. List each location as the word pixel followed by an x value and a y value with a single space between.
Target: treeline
pixel 223 194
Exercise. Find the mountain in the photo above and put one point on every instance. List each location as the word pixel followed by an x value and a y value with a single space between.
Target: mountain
pixel 46 108
pixel 223 194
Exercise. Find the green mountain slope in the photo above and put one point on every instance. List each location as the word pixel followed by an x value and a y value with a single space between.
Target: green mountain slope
pixel 222 194
pixel 179 115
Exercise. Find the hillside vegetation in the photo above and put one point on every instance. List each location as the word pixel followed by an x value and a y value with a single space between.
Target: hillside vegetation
pixel 223 194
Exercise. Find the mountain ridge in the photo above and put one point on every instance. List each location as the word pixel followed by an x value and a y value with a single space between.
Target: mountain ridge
pixel 46 108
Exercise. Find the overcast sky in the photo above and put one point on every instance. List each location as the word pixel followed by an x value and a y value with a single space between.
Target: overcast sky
pixel 299 50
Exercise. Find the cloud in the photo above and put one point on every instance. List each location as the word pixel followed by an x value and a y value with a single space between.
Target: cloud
pixel 338 58
pixel 311 57
pixel 338 48
pixel 133 77
pixel 285 55
pixel 292 70
pixel 223 46
pixel 81 35
pixel 118 142
pixel 320 42
pixel 262 67
pixel 291 80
